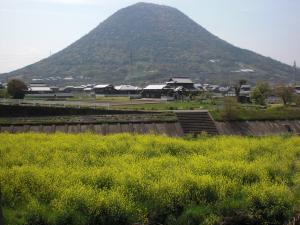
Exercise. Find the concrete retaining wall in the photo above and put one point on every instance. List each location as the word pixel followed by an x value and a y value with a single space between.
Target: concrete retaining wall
pixel 168 128
pixel 259 128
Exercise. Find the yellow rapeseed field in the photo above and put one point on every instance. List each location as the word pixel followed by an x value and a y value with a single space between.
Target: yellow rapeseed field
pixel 88 179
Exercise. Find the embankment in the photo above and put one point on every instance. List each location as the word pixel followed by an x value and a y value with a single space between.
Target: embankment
pixel 259 128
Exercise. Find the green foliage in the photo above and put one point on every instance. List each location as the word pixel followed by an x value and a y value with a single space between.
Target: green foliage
pixel 297 99
pixel 237 88
pixel 286 93
pixel 3 93
pixel 261 93
pixel 230 109
pixel 16 88
pixel 88 179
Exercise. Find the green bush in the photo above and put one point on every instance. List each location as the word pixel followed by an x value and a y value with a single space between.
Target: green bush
pixel 3 93
pixel 230 109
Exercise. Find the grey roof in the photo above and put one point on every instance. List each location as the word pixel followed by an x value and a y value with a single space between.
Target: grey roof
pixel 38 85
pixel 182 80
pixel 40 89
pixel 155 87
pixel 127 88
pixel 246 86
pixel 297 89
pixel 224 89
pixel 102 85
pixel 180 88
pixel 68 78
pixel 198 86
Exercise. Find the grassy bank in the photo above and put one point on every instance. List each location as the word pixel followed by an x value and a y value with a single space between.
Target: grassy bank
pixel 100 99
pixel 242 113
pixel 239 112
pixel 177 105
pixel 123 179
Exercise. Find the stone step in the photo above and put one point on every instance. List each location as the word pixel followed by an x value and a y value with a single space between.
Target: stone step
pixel 197 123
pixel 193 122
pixel 192 119
pixel 200 130
pixel 198 127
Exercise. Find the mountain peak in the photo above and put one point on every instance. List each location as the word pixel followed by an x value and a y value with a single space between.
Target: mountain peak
pixel 148 4
pixel 145 4
pixel 146 43
pixel 142 8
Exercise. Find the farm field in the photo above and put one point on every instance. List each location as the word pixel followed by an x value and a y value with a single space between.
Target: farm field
pixel 99 102
pixel 176 105
pixel 145 179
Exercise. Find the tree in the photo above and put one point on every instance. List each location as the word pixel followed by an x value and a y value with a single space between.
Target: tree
pixel 3 93
pixel 16 88
pixel 286 93
pixel 261 93
pixel 230 110
pixel 205 95
pixel 297 100
pixel 237 89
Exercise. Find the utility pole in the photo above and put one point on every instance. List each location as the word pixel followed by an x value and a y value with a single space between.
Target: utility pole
pixel 295 72
pixel 131 62
pixel 230 78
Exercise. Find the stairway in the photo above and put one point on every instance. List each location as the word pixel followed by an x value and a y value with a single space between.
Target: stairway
pixel 197 122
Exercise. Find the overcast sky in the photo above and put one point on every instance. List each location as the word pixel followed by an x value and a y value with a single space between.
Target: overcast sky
pixel 31 29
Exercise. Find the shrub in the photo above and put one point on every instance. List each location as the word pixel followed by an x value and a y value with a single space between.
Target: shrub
pixel 297 100
pixel 16 88
pixel 230 110
pixel 3 93
pixel 261 93
pixel 285 93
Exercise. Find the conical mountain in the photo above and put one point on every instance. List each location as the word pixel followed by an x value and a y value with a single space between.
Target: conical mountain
pixel 147 43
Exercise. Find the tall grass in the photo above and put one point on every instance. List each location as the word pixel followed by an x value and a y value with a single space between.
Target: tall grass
pixel 124 179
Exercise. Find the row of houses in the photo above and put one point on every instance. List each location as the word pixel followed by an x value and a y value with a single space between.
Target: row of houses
pixel 174 88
